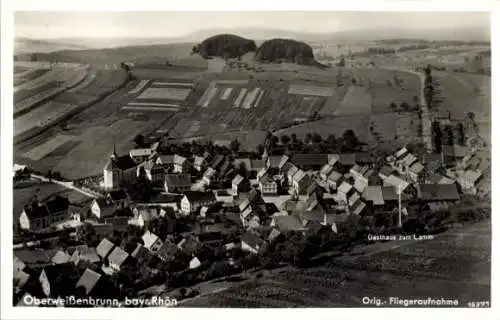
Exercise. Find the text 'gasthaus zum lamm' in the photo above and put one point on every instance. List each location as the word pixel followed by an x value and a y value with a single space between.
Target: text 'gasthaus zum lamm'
pixel 399 237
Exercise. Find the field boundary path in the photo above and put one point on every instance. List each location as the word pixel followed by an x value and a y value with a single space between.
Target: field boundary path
pixel 67 184
pixel 426 116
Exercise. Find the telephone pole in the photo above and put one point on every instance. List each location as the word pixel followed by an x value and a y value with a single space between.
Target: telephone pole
pixel 399 206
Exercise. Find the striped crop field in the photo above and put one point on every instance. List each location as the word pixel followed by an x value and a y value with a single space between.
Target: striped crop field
pixel 42 150
pixel 204 97
pixel 151 107
pixel 356 101
pixel 41 116
pixel 310 90
pixel 226 93
pixel 251 97
pixel 240 97
pixel 165 93
pixel 259 98
pixel 141 85
pixel 233 82
pixel 172 84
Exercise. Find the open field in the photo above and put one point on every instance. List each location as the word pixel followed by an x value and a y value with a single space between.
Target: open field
pixel 336 126
pixel 90 156
pixel 356 101
pixel 28 75
pixel 165 93
pixel 393 130
pixel 46 148
pixel 462 272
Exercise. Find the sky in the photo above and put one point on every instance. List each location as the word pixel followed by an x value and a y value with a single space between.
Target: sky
pixel 105 24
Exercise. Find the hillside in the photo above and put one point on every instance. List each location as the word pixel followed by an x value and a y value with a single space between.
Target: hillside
pixel 25 45
pixel 285 50
pixel 224 45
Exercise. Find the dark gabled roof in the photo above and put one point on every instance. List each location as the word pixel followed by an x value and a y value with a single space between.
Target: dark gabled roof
pixel 252 239
pixel 57 204
pixel 165 198
pixel 439 192
pixel 123 163
pixel 310 159
pixel 178 180
pixel 389 193
pixel 365 158
pixel 89 280
pixel 167 250
pixel 60 257
pixel 117 195
pixel 225 167
pixel 347 159
pixel 140 252
pixel 288 223
pixel 257 164
pixel 85 253
pixel 166 159
pixel 386 171
pixel 217 161
pixel 194 196
pixel 66 270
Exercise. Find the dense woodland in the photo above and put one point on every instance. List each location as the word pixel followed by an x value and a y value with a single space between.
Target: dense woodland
pixel 224 46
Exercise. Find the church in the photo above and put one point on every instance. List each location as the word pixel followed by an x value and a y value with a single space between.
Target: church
pixel 119 170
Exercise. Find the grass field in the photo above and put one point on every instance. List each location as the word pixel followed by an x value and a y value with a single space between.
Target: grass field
pixel 455 265
pixel 90 156
pixel 357 100
pixel 48 147
pixel 392 130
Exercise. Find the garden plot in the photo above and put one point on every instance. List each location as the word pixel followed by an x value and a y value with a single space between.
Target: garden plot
pixel 172 84
pixel 225 93
pixel 250 98
pixel 310 90
pixel 356 101
pixel 205 97
pixel 40 151
pixel 165 93
pixel 392 130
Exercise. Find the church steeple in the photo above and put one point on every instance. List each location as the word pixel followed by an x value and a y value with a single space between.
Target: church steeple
pixel 114 156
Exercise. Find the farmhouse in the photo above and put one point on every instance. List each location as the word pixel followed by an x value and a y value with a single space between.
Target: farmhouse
pixel 416 172
pixel 201 162
pixel 334 179
pixel 287 224
pixel 118 258
pixel 454 153
pixel 177 183
pixel 167 250
pixel 210 177
pixel 88 254
pixel 325 171
pixel 93 284
pixel 104 248
pixel 194 200
pixel 144 214
pixel 119 198
pixel 119 170
pixel 60 257
pixel 140 155
pixel 251 242
pixel 41 216
pixel 166 161
pixel 373 196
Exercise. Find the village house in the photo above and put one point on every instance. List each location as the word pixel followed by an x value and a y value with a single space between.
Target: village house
pixel 210 177
pixel 41 216
pixel 357 207
pixel 251 242
pixel 93 284
pixel 239 184
pixel 60 257
pixel 287 224
pixel 100 208
pixel 300 182
pixel 469 180
pixel 189 245
pixel 435 178
pixel 161 204
pixel 454 154
pixel 88 254
pixel 104 248
pixel 310 161
pixel 333 180
pixel 275 164
pixel 201 162
pixel 144 214
pixel 289 170
pixel 194 200
pixel 141 155
pixel 385 172
pixel 268 186
pixel 140 253
pixel 225 168
pixel 345 191
pixel 119 224
pixel 325 171
pixel 439 192
pixel 177 183
pixel 118 258
pixel 167 250
pixel 181 164
pixel 345 161
pixel 256 165
pixel 119 170
pixel 119 198
pixel 416 172
pixel 151 241
pixel 374 198
pixel 59 280
pixel 166 161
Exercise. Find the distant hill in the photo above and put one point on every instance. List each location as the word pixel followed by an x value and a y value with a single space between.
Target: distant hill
pixel 285 50
pixel 224 45
pixel 25 45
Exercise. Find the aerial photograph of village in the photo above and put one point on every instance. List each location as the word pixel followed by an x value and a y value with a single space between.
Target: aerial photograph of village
pixel 251 159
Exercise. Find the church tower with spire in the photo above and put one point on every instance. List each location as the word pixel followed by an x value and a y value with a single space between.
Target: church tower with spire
pixel 109 170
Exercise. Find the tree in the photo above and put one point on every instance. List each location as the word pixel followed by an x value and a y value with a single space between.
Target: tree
pixel 308 138
pixel 449 136
pixel 139 140
pixel 316 138
pixel 64 238
pixel 285 139
pixel 437 136
pixel 341 63
pixel 87 234
pixel 242 170
pixel 235 146
pixel 393 106
pixel 350 140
